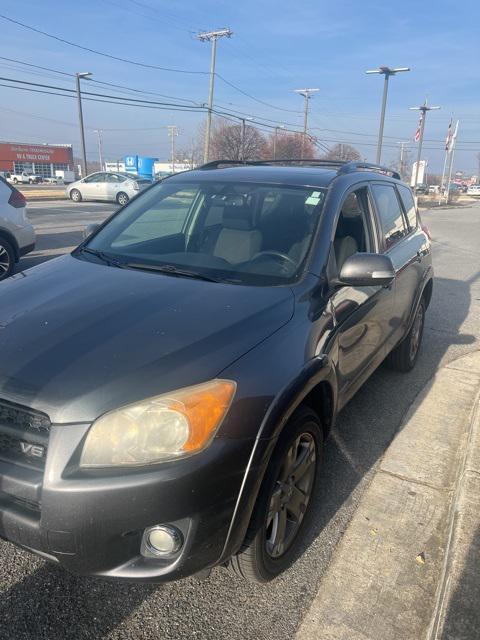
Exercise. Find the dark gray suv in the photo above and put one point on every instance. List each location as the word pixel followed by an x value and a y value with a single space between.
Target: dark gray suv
pixel 166 388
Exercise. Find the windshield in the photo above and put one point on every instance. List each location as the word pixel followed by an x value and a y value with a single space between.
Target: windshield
pixel 241 232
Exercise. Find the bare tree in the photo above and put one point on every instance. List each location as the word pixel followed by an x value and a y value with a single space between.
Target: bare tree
pixel 343 152
pixel 288 146
pixel 226 142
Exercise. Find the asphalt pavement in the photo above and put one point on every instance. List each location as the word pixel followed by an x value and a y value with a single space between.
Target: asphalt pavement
pixel 41 601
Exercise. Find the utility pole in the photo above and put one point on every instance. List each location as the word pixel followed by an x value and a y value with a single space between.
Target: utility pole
pixel 78 77
pixel 402 154
pixel 306 93
pixel 386 72
pixel 423 114
pixel 100 154
pixel 172 132
pixel 211 36
pixel 243 137
pixel 275 137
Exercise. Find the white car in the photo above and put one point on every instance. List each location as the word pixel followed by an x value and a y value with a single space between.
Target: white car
pixel 114 187
pixel 17 237
pixel 473 190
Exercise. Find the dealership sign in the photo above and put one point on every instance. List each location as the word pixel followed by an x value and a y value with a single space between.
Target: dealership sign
pixel 10 152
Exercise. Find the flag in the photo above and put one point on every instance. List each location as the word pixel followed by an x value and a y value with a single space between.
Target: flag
pixel 449 138
pixel 419 128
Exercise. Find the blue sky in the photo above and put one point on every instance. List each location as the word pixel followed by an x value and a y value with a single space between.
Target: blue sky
pixel 277 46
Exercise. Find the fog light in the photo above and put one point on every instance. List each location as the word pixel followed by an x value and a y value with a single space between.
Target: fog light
pixel 161 540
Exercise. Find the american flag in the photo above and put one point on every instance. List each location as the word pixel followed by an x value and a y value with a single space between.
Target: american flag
pixel 448 140
pixel 419 128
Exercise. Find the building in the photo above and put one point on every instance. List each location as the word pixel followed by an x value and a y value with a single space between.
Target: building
pixel 39 159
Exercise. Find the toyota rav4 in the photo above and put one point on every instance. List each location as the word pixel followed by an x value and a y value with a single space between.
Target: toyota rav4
pixel 167 387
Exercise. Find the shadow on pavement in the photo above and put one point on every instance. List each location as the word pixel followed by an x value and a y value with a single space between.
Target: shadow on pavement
pixel 49 603
pixel 462 617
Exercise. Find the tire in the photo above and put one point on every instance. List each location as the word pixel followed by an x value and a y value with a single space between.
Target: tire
pixel 15 181
pixel 405 355
pixel 122 198
pixel 75 195
pixel 7 259
pixel 264 553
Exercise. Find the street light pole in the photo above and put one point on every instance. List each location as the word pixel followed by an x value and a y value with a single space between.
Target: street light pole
pixel 78 77
pixel 306 93
pixel 100 154
pixel 386 72
pixel 423 110
pixel 211 36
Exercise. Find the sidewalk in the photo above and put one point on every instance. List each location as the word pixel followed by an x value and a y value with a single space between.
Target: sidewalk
pixel 408 567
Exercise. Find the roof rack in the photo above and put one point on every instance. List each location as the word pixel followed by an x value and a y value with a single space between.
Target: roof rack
pixel 310 162
pixel 341 165
pixel 350 167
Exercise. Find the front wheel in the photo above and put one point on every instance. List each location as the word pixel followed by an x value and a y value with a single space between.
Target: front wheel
pixel 404 356
pixel 75 195
pixel 122 198
pixel 277 528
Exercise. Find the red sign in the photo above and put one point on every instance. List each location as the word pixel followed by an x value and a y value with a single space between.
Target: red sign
pixel 11 152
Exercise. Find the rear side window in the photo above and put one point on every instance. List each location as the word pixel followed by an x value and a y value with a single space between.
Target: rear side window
pixel 390 212
pixel 409 206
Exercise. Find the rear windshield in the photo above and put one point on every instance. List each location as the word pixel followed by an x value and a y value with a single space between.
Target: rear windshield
pixel 241 232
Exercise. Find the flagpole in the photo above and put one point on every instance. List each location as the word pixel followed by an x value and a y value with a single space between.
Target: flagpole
pixel 454 144
pixel 443 176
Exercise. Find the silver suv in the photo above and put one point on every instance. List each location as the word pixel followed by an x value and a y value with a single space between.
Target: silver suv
pixel 17 237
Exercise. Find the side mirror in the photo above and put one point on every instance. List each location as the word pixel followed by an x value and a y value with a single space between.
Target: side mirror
pixel 89 229
pixel 367 270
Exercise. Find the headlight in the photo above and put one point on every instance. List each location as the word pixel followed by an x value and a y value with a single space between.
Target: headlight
pixel 166 427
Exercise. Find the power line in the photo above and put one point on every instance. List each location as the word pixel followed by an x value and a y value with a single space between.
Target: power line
pixel 248 95
pixel 100 53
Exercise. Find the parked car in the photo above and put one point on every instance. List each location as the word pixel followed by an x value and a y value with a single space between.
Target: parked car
pixel 434 188
pixel 167 387
pixel 114 187
pixel 422 189
pixel 473 190
pixel 53 180
pixel 17 237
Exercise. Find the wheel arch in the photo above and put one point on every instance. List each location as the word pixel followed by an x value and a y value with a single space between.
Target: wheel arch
pixel 315 387
pixel 9 237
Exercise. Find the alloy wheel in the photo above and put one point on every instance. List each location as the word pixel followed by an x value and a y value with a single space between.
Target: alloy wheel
pixel 416 334
pixel 4 262
pixel 291 495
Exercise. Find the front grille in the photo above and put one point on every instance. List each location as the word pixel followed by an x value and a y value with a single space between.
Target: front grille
pixel 23 435
pixel 16 416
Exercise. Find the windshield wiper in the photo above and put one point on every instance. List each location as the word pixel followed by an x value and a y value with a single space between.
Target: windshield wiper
pixel 170 269
pixel 104 257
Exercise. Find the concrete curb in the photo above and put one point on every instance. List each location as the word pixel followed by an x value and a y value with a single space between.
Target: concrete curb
pixel 394 573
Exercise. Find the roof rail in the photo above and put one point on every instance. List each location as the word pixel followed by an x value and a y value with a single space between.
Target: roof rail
pixel 350 167
pixel 309 162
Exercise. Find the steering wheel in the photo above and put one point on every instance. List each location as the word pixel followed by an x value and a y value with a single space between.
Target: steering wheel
pixel 275 254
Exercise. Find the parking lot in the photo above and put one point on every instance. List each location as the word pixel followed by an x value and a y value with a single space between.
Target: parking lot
pixel 41 601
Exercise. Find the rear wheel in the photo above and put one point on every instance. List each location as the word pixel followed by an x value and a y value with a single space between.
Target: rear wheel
pixel 75 195
pixel 284 504
pixel 404 356
pixel 7 259
pixel 122 198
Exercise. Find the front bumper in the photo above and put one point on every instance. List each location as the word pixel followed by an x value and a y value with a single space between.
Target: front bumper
pixel 92 523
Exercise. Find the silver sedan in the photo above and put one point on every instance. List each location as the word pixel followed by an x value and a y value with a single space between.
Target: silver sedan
pixel 114 187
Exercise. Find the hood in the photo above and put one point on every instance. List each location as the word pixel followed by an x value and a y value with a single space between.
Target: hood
pixel 78 338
